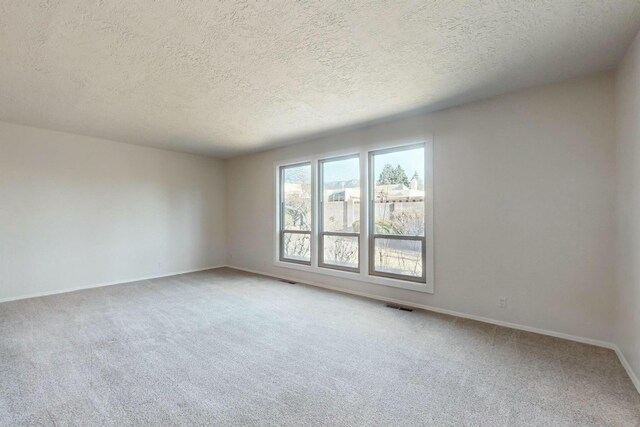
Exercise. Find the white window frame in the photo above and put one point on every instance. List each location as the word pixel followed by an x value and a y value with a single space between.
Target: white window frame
pixel 371 200
pixel 363 275
pixel 282 231
pixel 320 218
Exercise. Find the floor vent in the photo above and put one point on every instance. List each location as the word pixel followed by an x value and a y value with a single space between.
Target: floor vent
pixel 397 307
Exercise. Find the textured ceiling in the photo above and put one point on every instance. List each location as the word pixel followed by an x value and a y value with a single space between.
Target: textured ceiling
pixel 232 77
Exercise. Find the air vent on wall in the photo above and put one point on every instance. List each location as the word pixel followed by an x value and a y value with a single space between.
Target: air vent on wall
pixel 397 307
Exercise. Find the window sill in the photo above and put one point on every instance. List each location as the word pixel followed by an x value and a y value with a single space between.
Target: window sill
pixel 360 277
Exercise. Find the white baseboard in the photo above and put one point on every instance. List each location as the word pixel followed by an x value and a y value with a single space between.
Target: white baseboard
pixel 99 285
pixel 628 368
pixel 569 337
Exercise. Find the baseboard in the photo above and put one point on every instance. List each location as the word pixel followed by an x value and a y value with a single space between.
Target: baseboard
pixel 99 285
pixel 584 340
pixel 628 368
pixel 442 310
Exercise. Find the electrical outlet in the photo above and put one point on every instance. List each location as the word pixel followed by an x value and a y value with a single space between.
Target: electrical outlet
pixel 502 302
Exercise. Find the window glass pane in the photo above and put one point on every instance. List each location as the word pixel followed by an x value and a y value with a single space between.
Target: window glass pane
pixel 341 251
pixel 296 182
pixel 341 195
pixel 399 192
pixel 397 256
pixel 297 246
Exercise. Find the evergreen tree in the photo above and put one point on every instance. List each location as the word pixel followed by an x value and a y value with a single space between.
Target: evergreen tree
pixel 391 175
pixel 387 176
pixel 400 177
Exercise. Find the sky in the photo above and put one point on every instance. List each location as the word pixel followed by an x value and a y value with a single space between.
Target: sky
pixel 410 160
pixel 348 169
pixel 344 170
pixel 341 170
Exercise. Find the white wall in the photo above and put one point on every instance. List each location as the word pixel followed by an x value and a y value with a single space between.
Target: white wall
pixel 628 207
pixel 525 186
pixel 524 197
pixel 78 211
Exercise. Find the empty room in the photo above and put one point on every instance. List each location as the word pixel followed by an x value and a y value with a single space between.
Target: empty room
pixel 320 213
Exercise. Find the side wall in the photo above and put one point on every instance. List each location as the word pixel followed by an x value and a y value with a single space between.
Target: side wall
pixel 524 190
pixel 78 211
pixel 628 136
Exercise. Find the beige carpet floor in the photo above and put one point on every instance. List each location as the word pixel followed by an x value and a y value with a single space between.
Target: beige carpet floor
pixel 226 348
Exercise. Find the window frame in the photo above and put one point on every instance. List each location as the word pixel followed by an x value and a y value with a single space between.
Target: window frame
pixel 281 219
pixel 320 217
pixel 371 220
pixel 378 142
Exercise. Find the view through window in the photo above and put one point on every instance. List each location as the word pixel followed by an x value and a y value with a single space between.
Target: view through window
pixel 340 213
pixel 397 219
pixel 295 213
pixel 394 227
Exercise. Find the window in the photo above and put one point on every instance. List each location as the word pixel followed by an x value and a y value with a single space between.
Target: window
pixel 363 216
pixel 295 213
pixel 339 213
pixel 397 213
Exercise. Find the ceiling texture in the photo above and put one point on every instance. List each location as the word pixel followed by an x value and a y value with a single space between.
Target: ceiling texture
pixel 231 77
